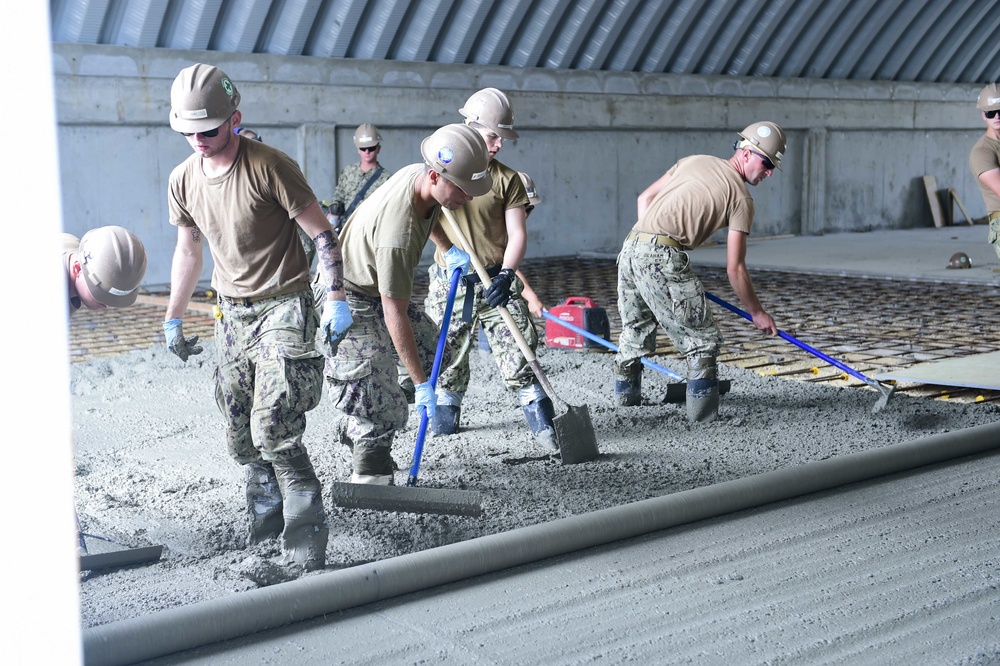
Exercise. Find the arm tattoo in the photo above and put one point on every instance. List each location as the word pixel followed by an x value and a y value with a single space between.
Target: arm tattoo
pixel 331 262
pixel 196 234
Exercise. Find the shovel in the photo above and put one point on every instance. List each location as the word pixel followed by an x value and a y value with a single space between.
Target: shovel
pixel 574 429
pixel 884 391
pixel 413 499
pixel 675 392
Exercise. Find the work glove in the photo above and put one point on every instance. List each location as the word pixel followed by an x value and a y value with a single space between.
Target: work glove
pixel 426 398
pixel 335 321
pixel 177 343
pixel 498 293
pixel 456 257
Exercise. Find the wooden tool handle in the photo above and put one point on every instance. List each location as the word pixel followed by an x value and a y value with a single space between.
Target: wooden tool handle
pixel 507 317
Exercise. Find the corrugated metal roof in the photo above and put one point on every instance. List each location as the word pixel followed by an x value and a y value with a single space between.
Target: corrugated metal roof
pixel 931 41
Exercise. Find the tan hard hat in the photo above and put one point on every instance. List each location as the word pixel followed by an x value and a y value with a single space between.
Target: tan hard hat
pixel 459 153
pixel 989 98
pixel 491 108
pixel 366 136
pixel 113 263
pixel 764 137
pixel 529 185
pixel 960 260
pixel 201 98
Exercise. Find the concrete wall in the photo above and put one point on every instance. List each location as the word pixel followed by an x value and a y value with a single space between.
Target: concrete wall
pixel 591 140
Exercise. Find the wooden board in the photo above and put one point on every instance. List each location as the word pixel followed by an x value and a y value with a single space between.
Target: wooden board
pixel 980 371
pixel 937 212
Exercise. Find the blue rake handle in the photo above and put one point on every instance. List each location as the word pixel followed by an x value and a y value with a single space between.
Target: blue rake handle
pixel 610 345
pixel 878 386
pixel 418 449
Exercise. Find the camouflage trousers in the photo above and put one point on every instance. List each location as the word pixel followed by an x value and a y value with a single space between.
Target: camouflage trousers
pixel 994 235
pixel 513 367
pixel 268 374
pixel 656 286
pixel 363 384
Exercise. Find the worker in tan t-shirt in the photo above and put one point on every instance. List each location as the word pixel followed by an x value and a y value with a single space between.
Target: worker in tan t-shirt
pixel 985 159
pixel 245 198
pixel 698 196
pixel 494 225
pixel 383 241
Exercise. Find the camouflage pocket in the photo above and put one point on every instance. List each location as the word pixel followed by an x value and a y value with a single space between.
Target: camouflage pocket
pixel 350 385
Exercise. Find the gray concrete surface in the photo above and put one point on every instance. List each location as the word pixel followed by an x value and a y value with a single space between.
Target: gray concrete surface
pixel 899 254
pixel 899 570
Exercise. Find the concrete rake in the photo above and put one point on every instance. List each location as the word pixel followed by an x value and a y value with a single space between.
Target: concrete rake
pixel 413 498
pixel 885 392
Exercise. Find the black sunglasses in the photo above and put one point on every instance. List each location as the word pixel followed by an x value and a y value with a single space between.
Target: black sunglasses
pixel 369 149
pixel 991 114
pixel 768 164
pixel 209 133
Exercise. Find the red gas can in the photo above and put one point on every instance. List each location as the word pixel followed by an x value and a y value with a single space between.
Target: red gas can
pixel 582 312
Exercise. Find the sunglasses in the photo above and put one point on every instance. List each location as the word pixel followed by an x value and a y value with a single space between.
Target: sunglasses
pixel 768 164
pixel 212 133
pixel 369 149
pixel 991 114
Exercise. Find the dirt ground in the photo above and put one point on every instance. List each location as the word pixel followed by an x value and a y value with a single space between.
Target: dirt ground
pixel 152 467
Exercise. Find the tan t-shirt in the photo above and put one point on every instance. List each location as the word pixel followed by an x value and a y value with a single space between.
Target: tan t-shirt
pixel 247 216
pixel 483 220
pixel 384 238
pixel 70 244
pixel 702 195
pixel 985 156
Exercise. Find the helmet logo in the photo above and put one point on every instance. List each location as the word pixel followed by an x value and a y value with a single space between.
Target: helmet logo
pixel 227 85
pixel 479 175
pixel 763 131
pixel 446 155
pixel 993 100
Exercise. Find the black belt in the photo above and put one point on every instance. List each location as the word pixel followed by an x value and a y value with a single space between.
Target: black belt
pixel 250 300
pixel 659 239
pixel 470 281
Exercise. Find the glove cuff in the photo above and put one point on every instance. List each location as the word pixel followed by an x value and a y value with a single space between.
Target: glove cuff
pixel 171 324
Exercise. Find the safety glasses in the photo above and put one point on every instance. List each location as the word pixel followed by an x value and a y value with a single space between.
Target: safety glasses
pixel 369 149
pixel 768 164
pixel 991 114
pixel 212 133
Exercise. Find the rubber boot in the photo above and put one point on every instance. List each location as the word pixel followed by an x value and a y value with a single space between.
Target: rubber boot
pixel 304 539
pixel 628 391
pixel 702 390
pixel 373 465
pixel 447 413
pixel 539 412
pixel 264 504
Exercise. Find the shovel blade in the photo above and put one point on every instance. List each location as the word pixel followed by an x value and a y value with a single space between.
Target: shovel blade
pixel 575 434
pixel 886 393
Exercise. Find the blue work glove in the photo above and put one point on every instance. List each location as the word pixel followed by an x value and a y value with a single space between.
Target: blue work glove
pixel 498 293
pixel 177 343
pixel 335 321
pixel 426 398
pixel 457 258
